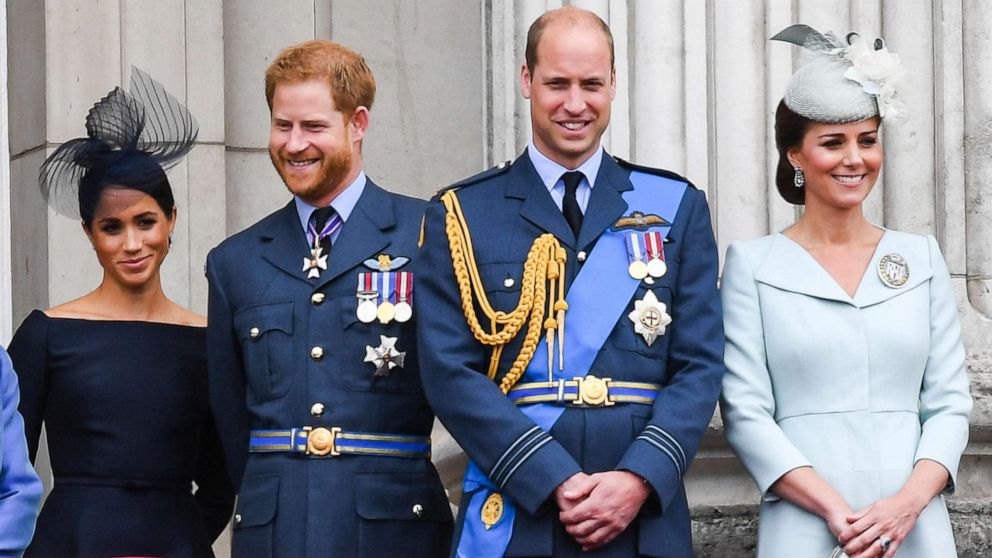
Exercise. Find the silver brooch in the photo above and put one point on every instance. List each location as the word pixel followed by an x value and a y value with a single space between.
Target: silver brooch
pixel 893 270
pixel 385 357
pixel 650 317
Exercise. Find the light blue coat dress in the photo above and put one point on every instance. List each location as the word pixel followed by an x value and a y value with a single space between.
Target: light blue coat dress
pixel 858 388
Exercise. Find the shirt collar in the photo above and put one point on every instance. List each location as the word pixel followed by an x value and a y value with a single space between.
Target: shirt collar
pixel 550 171
pixel 343 204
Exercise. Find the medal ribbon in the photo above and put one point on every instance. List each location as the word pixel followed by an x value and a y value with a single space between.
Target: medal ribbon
pixel 331 227
pixel 405 287
pixel 634 251
pixel 387 285
pixel 654 244
pixel 601 289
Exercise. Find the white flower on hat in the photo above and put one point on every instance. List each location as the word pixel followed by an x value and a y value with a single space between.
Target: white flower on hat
pixel 878 71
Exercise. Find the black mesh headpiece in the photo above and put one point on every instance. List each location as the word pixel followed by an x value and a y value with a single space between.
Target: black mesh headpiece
pixel 132 137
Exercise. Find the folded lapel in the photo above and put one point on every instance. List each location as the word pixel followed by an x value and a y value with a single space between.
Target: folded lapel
pixel 913 249
pixel 362 235
pixel 788 266
pixel 524 183
pixel 606 203
pixel 286 242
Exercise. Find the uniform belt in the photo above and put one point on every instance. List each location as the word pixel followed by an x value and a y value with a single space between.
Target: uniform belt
pixel 332 441
pixel 588 391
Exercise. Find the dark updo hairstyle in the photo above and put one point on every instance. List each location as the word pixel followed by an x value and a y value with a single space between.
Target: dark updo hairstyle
pixel 790 128
pixel 134 170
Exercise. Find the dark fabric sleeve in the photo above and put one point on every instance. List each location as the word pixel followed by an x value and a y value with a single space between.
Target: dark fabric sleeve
pixel 665 448
pixel 29 353
pixel 226 374
pixel 517 455
pixel 214 493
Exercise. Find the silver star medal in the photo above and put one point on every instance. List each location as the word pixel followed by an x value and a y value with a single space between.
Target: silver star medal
pixel 315 263
pixel 385 357
pixel 650 317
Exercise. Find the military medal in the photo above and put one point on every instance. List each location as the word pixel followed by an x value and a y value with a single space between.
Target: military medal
pixel 637 268
pixel 657 267
pixel 386 311
pixel 650 317
pixel 404 294
pixel 893 270
pixel 385 357
pixel 316 263
pixel 367 295
pixel 492 510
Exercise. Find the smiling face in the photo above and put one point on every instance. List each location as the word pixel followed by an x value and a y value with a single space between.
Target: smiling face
pixel 130 234
pixel 314 147
pixel 570 90
pixel 840 162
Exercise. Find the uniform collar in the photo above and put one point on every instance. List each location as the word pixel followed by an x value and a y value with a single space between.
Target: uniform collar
pixel 550 171
pixel 343 204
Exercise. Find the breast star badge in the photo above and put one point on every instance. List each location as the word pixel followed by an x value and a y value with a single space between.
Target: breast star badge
pixel 385 357
pixel 650 317
pixel 316 263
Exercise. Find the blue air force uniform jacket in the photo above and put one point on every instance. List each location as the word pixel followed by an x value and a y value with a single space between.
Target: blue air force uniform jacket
pixel 506 210
pixel 289 352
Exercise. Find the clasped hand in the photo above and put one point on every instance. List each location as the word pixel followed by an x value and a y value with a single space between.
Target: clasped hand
pixel 888 519
pixel 596 508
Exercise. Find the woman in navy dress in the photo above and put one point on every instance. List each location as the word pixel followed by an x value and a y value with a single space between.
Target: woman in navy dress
pixel 119 375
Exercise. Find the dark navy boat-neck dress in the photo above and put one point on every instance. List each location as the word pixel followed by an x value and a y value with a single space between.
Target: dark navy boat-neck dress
pixel 125 409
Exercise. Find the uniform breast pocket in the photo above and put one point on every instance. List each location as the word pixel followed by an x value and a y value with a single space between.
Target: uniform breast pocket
pixel 646 323
pixel 502 283
pixel 266 335
pixel 376 356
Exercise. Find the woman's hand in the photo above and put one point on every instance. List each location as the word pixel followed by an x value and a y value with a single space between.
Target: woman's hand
pixel 890 519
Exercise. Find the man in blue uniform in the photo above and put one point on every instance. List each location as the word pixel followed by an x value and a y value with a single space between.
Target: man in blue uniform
pixel 312 346
pixel 574 346
pixel 20 489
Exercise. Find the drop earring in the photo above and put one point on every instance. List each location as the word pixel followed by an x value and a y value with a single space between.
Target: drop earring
pixel 799 179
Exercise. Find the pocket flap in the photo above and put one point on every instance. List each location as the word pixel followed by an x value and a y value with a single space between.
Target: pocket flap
pixel 254 321
pixel 257 501
pixel 410 496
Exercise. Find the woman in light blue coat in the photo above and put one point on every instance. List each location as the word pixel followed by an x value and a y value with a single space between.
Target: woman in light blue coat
pixel 20 489
pixel 845 396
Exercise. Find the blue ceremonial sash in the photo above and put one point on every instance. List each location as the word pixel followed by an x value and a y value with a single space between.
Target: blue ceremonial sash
pixel 602 288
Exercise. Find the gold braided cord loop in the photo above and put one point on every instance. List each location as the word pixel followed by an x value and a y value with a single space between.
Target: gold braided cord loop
pixel 541 304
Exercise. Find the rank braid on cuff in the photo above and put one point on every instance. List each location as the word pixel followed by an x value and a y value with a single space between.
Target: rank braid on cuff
pixel 542 295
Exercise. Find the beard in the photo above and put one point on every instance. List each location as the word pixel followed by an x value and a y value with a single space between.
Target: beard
pixel 332 169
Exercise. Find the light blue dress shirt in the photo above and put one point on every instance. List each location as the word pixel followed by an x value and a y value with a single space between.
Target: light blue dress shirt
pixel 550 173
pixel 20 489
pixel 344 203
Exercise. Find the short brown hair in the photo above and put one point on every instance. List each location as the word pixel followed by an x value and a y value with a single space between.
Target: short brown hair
pixel 570 15
pixel 351 80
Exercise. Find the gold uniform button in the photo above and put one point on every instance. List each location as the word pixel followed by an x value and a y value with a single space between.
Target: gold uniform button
pixel 317 409
pixel 317 298
pixel 254 332
pixel 317 353
pixel 418 510
pixel 581 256
pixel 237 518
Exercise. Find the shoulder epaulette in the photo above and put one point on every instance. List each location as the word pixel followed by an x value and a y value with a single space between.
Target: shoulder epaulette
pixel 489 173
pixel 651 170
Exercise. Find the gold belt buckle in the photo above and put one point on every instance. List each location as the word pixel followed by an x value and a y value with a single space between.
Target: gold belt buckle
pixel 593 391
pixel 322 441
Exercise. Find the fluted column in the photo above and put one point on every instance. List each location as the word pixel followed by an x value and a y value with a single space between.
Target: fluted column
pixel 977 43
